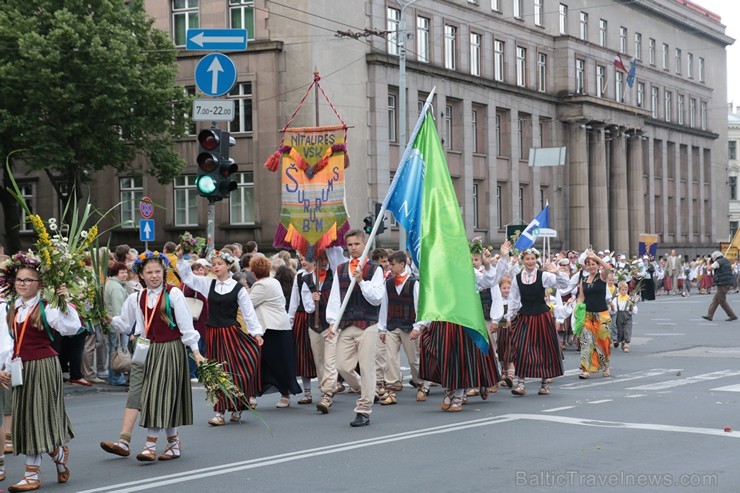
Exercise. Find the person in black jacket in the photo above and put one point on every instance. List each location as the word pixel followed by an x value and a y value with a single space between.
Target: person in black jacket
pixel 722 270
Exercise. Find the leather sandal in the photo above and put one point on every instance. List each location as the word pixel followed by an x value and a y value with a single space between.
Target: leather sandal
pixel 217 420
pixel 172 450
pixel 483 393
pixel 446 401
pixel 519 389
pixel 236 417
pixel 115 449
pixel 584 375
pixel 63 476
pixel 456 405
pixel 307 399
pixel 149 454
pixel 390 399
pixel 28 484
pixel 544 389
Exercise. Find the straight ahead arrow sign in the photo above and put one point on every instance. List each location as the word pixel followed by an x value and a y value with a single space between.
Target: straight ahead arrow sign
pixel 216 39
pixel 215 68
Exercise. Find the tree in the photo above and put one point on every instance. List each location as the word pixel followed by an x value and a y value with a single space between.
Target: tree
pixel 87 85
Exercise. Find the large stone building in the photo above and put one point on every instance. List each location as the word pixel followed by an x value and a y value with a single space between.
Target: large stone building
pixel 646 157
pixel 733 138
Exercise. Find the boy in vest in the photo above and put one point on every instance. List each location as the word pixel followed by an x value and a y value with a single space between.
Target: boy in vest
pixel 398 327
pixel 358 329
pixel 380 257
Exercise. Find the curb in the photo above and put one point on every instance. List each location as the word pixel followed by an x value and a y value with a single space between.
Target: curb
pixel 72 389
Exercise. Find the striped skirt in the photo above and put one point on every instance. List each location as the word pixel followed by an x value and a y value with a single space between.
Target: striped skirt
pixel 450 358
pixel 535 347
pixel 302 353
pixel 240 355
pixel 166 398
pixel 40 422
pixel 596 342
pixel 503 343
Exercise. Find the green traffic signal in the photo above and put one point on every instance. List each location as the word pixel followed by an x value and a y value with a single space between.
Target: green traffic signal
pixel 206 185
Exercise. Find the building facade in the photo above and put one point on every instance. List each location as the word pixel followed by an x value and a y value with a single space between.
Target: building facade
pixel 733 165
pixel 644 155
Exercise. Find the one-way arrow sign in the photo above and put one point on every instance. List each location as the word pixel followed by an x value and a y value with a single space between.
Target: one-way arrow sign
pixel 215 74
pixel 216 39
pixel 146 230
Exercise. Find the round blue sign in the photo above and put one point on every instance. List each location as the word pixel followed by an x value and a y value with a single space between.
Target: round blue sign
pixel 215 74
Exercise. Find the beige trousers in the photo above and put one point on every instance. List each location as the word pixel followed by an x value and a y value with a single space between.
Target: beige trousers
pixel 325 359
pixel 394 340
pixel 355 345
pixel 381 360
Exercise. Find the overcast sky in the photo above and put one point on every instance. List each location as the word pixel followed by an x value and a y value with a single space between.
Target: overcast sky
pixel 729 10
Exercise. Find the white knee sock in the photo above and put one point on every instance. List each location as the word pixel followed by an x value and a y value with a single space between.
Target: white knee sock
pixel 306 381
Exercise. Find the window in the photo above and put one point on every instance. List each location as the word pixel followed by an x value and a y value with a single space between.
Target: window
pixel 733 188
pixel 654 101
pixel 521 202
pixel 27 195
pixel 701 69
pixel 703 115
pixel 474 129
pixel 521 66
pixel 651 51
pixel 640 95
pixel 583 31
pixel 422 39
pixel 623 39
pixel 692 112
pixel 668 105
pixel 517 8
pixel 498 60
pixel 393 18
pixel 618 87
pixel 638 46
pixel 186 205
pixel 600 81
pixel 190 92
pixel 499 220
pixel 520 135
pixel 450 46
pixel 541 72
pixel 496 5
pixel 563 19
pixel 241 202
pixel 241 13
pixel 690 65
pixel 475 205
pixel 602 32
pixel 131 192
pixel 538 12
pixel 242 121
pixel 498 136
pixel 680 109
pixel 677 61
pixel 732 149
pixel 392 118
pixel 475 39
pixel 448 126
pixel 184 17
pixel 580 76
pixel 665 56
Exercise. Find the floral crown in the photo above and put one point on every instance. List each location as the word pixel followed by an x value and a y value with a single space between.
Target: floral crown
pixel 146 257
pixel 532 251
pixel 476 246
pixel 10 267
pixel 225 256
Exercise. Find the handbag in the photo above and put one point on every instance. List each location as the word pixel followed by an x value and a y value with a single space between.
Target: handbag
pixel 140 351
pixel 120 359
pixel 195 306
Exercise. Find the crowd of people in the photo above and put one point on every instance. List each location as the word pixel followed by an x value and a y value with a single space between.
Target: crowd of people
pixel 275 325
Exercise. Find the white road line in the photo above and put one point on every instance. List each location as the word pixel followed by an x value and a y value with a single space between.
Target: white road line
pixel 634 395
pixel 666 323
pixel 556 409
pixel 659 319
pixel 685 381
pixel 197 474
pixel 574 371
pixel 600 402
pixel 664 334
pixel 729 388
pixel 625 378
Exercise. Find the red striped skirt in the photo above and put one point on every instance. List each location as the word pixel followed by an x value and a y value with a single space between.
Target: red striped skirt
pixel 503 343
pixel 707 281
pixel 535 347
pixel 302 353
pixel 450 358
pixel 240 355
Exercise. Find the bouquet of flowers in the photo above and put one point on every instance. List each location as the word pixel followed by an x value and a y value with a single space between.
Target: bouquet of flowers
pixel 190 243
pixel 476 246
pixel 218 382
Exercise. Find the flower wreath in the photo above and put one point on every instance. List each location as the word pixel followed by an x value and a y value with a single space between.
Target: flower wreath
pixel 10 267
pixel 531 250
pixel 476 246
pixel 225 256
pixel 146 257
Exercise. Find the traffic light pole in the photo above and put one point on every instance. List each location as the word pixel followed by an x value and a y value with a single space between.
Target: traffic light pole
pixel 211 229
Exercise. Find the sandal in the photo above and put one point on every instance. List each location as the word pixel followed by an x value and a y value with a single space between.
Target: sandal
pixel 584 375
pixel 236 417
pixel 456 405
pixel 544 390
pixel 472 392
pixel 608 372
pixel 30 481
pixel 253 402
pixel 149 454
pixel 217 420
pixel 63 476
pixel 389 399
pixel 625 347
pixel 172 450
pixel 283 403
pixel 447 400
pixel 307 399
pixel 519 389
pixel 483 393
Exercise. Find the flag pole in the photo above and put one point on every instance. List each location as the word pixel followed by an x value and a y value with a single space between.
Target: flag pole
pixel 384 205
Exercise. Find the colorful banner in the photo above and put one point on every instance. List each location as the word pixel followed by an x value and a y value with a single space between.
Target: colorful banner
pixel 313 215
pixel 648 245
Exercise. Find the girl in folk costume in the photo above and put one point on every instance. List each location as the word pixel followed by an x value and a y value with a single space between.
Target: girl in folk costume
pixel 707 277
pixel 40 422
pixel 623 306
pixel 595 337
pixel 164 322
pixel 535 347
pixel 451 358
pixel 225 341
pixel 502 328
pixel 305 367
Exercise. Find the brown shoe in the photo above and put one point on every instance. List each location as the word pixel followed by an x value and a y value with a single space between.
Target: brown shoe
pixel 456 405
pixel 519 389
pixel 421 394
pixel 307 399
pixel 149 454
pixel 390 399
pixel 172 450
pixel 115 449
pixel 446 401
pixel 63 476
pixel 27 484
pixel 324 404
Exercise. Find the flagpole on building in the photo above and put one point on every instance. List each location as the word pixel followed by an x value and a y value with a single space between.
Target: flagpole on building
pixel 384 205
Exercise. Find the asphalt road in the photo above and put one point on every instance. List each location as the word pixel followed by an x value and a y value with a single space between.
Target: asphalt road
pixel 658 424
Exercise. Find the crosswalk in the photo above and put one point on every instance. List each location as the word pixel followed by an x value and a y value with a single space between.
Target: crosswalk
pixel 644 381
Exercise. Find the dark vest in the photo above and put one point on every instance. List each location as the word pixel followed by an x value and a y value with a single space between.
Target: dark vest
pixel 359 312
pixel 159 330
pixel 486 300
pixel 532 296
pixel 36 343
pixel 401 312
pixel 300 282
pixel 595 295
pixel 723 275
pixel 325 291
pixel 222 307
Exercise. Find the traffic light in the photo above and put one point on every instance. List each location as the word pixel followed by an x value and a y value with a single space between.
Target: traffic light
pixel 368 224
pixel 209 160
pixel 381 226
pixel 226 167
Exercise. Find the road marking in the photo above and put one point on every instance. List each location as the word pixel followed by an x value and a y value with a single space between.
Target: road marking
pixel 659 319
pixel 664 334
pixel 600 402
pixel 556 409
pixel 666 323
pixel 574 371
pixel 638 341
pixel 685 381
pixel 729 388
pixel 634 395
pixel 198 474
pixel 625 378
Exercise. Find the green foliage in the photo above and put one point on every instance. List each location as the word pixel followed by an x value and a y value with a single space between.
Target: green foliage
pixel 89 84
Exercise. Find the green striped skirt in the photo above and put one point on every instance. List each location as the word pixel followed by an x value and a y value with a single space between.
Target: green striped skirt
pixel 40 422
pixel 166 398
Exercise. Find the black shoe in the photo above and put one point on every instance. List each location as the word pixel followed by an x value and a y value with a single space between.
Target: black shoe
pixel 360 420
pixel 706 318
pixel 616 344
pixel 731 319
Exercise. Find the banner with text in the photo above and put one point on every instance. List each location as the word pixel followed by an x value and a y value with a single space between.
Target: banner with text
pixel 648 245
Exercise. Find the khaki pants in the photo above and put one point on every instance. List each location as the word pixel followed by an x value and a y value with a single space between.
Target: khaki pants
pixel 394 339
pixel 720 299
pixel 325 359
pixel 354 346
pixel 381 360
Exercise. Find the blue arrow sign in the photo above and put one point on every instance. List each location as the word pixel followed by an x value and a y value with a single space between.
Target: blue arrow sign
pixel 216 39
pixel 146 230
pixel 215 74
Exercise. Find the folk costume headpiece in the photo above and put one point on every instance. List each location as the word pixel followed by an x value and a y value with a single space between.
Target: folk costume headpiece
pixel 148 256
pixel 225 256
pixel 476 246
pixel 10 267
pixel 532 251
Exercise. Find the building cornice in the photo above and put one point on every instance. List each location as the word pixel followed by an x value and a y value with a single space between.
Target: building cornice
pixel 681 128
pixel 257 46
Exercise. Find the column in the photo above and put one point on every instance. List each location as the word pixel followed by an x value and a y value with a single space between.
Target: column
pixel 618 199
pixel 598 198
pixel 578 231
pixel 635 192
pixel 514 167
pixel 650 183
pixel 492 162
pixel 467 165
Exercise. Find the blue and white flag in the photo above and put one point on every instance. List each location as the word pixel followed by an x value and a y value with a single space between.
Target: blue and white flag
pixel 404 200
pixel 632 72
pixel 526 239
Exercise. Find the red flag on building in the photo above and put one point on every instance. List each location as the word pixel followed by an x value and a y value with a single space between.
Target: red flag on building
pixel 619 64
